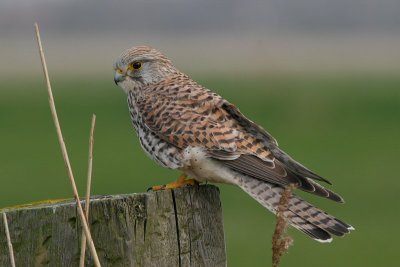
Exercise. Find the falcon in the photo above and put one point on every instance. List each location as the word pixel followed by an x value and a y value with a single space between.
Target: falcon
pixel 183 125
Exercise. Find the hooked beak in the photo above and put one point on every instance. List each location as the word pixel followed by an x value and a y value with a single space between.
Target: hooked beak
pixel 118 78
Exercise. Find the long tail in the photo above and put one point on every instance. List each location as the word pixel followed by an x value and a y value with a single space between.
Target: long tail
pixel 312 221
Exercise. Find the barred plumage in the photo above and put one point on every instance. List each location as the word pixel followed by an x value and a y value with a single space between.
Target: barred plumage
pixel 182 125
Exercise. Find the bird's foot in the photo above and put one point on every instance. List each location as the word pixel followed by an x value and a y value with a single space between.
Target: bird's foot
pixel 181 182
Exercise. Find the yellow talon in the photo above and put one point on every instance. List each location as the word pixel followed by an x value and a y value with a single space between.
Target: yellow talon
pixel 182 181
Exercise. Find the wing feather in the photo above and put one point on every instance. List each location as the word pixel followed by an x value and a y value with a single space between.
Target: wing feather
pixel 271 144
pixel 276 173
pixel 194 116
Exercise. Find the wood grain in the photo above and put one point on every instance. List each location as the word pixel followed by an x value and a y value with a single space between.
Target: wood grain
pixel 181 227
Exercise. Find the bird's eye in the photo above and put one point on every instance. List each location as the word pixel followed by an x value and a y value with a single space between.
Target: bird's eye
pixel 136 65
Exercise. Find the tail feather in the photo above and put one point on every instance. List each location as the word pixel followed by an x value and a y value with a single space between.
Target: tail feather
pixel 318 217
pixel 314 222
pixel 308 228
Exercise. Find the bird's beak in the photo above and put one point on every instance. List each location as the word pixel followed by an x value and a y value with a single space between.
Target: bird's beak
pixel 118 78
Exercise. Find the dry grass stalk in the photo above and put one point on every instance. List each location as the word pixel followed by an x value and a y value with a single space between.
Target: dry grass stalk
pixel 88 186
pixel 10 247
pixel 64 151
pixel 280 240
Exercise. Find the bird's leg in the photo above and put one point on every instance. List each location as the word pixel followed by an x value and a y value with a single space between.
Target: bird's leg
pixel 182 181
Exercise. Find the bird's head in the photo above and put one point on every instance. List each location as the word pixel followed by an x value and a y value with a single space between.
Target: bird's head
pixel 139 66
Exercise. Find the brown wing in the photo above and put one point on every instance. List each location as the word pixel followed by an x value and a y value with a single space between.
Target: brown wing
pixel 191 115
pixel 275 172
pixel 271 144
pixel 284 169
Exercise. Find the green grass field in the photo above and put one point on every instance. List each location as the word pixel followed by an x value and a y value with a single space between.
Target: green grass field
pixel 344 128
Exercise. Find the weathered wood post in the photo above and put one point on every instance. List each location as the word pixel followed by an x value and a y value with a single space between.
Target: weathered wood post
pixel 181 227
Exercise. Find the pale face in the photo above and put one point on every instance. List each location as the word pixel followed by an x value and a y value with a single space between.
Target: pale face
pixel 139 66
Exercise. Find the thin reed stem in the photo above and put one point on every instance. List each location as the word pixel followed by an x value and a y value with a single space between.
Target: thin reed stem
pixel 64 151
pixel 10 247
pixel 88 189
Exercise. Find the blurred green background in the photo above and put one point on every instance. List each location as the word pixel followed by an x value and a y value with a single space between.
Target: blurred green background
pixel 321 76
pixel 345 128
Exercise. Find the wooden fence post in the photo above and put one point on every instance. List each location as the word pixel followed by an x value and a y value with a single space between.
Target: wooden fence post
pixel 181 227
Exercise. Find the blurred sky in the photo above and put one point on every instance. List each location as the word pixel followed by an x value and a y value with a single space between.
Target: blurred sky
pixel 84 37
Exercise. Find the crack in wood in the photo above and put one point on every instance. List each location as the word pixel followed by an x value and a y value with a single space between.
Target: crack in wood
pixel 177 227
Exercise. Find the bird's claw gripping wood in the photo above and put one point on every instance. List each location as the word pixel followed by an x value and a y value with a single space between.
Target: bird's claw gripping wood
pixel 182 181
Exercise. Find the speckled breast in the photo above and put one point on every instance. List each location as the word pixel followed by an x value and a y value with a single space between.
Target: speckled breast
pixel 156 148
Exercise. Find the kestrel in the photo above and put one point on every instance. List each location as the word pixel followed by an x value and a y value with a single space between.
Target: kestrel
pixel 183 125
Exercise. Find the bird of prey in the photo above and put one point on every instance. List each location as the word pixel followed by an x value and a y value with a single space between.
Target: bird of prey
pixel 183 125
